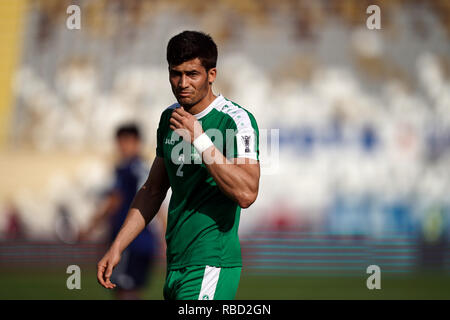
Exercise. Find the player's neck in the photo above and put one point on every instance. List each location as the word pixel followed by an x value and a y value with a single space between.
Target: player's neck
pixel 202 104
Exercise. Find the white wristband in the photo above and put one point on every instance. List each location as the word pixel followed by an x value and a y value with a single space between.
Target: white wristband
pixel 202 142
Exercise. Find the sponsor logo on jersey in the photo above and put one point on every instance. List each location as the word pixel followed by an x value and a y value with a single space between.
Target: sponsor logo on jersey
pixel 169 141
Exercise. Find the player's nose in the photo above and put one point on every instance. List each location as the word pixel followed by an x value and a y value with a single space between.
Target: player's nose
pixel 183 83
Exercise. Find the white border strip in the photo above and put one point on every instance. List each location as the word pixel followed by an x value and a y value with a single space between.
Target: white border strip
pixel 209 283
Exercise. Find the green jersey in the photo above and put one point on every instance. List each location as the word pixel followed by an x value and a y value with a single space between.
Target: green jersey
pixel 202 225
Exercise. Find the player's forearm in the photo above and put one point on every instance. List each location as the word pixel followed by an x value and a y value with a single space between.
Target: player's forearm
pixel 233 180
pixel 145 205
pixel 133 225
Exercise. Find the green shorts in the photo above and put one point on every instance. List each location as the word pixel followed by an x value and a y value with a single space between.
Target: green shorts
pixel 202 283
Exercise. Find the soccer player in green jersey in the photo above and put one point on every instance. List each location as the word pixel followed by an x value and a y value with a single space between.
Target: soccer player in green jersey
pixel 207 152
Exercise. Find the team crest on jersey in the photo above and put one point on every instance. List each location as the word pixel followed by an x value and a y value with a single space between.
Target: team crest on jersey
pixel 205 297
pixel 246 141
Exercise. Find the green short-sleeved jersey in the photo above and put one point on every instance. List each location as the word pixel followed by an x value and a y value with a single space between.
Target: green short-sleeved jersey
pixel 202 226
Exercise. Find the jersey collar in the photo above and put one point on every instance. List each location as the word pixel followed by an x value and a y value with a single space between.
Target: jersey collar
pixel 211 106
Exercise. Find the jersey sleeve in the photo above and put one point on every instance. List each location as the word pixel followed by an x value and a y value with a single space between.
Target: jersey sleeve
pixel 246 139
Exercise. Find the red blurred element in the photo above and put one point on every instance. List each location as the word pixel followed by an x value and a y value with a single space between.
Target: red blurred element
pixel 14 227
pixel 282 222
pixel 282 218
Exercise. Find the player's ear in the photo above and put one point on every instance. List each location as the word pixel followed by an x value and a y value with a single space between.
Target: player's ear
pixel 212 75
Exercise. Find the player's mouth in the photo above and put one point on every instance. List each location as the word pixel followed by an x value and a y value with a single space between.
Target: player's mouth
pixel 184 94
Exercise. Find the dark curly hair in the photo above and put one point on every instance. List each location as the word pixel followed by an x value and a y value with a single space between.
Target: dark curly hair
pixel 189 45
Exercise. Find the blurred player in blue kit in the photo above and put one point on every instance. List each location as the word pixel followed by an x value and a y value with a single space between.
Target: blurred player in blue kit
pixel 131 274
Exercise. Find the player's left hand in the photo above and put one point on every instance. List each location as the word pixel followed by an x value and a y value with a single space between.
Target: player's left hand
pixel 185 124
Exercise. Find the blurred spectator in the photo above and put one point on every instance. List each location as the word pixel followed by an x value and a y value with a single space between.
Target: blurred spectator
pixel 132 272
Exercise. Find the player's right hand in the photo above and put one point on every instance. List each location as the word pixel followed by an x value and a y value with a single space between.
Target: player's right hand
pixel 105 267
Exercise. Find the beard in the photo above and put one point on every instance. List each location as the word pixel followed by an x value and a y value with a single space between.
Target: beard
pixel 195 97
pixel 189 102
